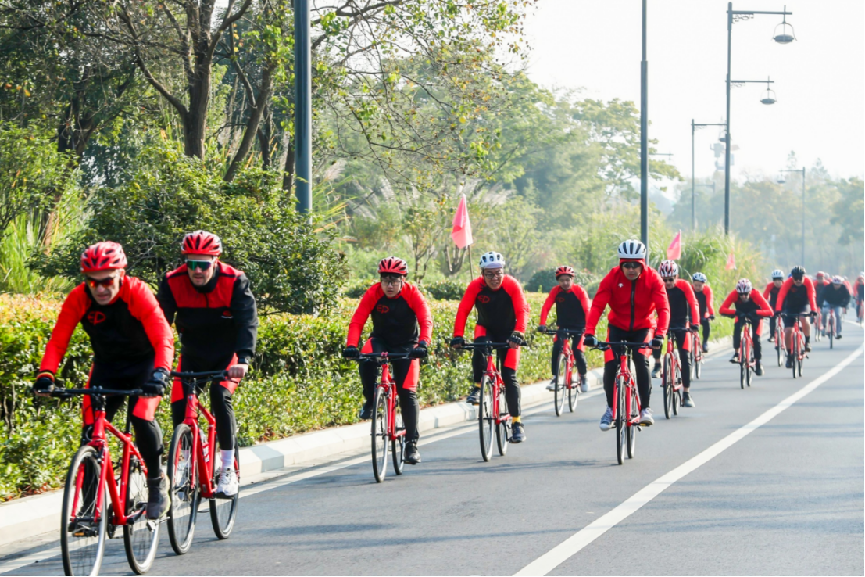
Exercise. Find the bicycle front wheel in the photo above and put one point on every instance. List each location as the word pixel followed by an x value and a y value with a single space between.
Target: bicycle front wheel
pixel 378 435
pixel 503 426
pixel 743 363
pixel 620 420
pixel 397 445
pixel 779 350
pixel 486 419
pixel 223 511
pixel 632 429
pixel 185 493
pixel 561 384
pixel 667 386
pixel 83 525
pixel 573 397
pixel 140 535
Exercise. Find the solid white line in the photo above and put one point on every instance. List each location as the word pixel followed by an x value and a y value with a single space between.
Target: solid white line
pixel 571 546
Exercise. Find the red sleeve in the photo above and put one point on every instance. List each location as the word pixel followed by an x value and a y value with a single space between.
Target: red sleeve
pixel 709 308
pixel 584 298
pixel 725 306
pixel 662 303
pixel 73 309
pixel 812 294
pixel 599 303
pixel 521 305
pixel 548 304
pixel 466 306
pixel 768 290
pixel 144 307
pixel 415 300
pixel 692 301
pixel 782 294
pixel 358 319
pixel 765 309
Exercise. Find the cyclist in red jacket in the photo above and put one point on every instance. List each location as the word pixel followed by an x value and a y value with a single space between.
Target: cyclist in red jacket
pixel 750 303
pixel 502 316
pixel 215 313
pixel 634 292
pixel 572 308
pixel 771 295
pixel 396 308
pixel 132 349
pixel 684 318
pixel 703 294
pixel 821 282
pixel 796 297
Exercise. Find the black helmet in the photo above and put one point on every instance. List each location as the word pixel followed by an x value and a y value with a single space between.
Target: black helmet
pixel 798 272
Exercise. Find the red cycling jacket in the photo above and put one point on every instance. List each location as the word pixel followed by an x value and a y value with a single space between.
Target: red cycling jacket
pixel 771 294
pixel 704 301
pixel 572 307
pixel 500 312
pixel 394 320
pixel 799 296
pixel 683 305
pixel 129 329
pixel 631 303
pixel 757 305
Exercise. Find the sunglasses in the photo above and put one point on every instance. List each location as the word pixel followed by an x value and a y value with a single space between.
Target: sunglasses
pixel 202 265
pixel 631 265
pixel 670 279
pixel 494 274
pixel 105 282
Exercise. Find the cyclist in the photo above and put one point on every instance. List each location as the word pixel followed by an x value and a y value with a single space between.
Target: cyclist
pixel 836 298
pixel 703 294
pixel 572 307
pixel 796 297
pixel 503 314
pixel 860 294
pixel 746 301
pixel 215 313
pixel 132 349
pixel 397 308
pixel 634 292
pixel 683 320
pixel 821 282
pixel 771 295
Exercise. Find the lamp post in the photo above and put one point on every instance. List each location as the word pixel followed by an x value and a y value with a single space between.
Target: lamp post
pixel 644 141
pixel 302 108
pixel 785 36
pixel 781 181
pixel 695 127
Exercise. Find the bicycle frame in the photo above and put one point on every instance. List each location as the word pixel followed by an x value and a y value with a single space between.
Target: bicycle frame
pixel 697 344
pixel 495 376
pixel 624 372
pixel 389 386
pixel 205 460
pixel 675 367
pixel 746 345
pixel 798 341
pixel 567 351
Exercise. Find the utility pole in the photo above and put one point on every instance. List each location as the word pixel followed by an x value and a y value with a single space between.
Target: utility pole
pixel 644 141
pixel 302 107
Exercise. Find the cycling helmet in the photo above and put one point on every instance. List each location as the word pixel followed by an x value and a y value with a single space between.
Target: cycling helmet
pixel 392 265
pixel 699 277
pixel 632 249
pixel 820 274
pixel 668 268
pixel 777 274
pixel 201 242
pixel 103 256
pixel 862 275
pixel 492 260
pixel 837 280
pixel 798 272
pixel 564 270
pixel 744 286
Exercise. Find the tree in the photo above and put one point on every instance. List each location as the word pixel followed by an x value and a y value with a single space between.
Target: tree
pixel 847 211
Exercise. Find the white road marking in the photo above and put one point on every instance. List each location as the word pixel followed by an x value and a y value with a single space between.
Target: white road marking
pixel 571 546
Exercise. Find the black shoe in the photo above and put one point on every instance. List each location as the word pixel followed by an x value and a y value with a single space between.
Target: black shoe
pixel 705 348
pixel 474 396
pixel 656 372
pixel 734 359
pixel 837 337
pixel 412 455
pixel 807 347
pixel 519 433
pixel 770 339
pixel 789 363
pixel 158 497
pixel 759 369
pixel 687 401
pixel 365 413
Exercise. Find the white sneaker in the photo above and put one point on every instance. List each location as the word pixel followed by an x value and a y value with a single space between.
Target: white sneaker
pixel 584 385
pixel 646 417
pixel 227 485
pixel 607 420
pixel 551 386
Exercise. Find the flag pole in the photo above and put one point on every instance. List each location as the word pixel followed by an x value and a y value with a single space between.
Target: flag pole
pixel 471 268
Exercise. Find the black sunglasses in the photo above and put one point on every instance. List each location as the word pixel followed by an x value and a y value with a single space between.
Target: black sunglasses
pixel 631 265
pixel 105 282
pixel 199 264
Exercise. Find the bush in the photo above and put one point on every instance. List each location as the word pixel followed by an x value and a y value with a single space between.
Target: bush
pixel 445 290
pixel 545 279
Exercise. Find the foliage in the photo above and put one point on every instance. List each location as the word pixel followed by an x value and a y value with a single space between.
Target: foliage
pixel 544 280
pixel 848 209
pixel 452 290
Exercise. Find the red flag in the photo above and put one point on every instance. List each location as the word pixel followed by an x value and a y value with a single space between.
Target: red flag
pixel 674 251
pixel 462 226
pixel 731 261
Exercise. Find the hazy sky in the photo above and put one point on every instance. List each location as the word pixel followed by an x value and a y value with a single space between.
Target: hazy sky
pixel 595 45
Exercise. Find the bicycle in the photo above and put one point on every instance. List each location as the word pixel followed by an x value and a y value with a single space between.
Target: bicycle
pixel 86 521
pixel 564 373
pixel 798 351
pixel 747 362
pixel 780 351
pixel 696 354
pixel 625 395
pixel 192 470
pixel 671 378
pixel 830 326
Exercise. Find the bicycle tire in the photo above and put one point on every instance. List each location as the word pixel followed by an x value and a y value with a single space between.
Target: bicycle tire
pixel 798 364
pixel 743 363
pixel 620 421
pixel 698 359
pixel 778 347
pixel 666 386
pixel 832 335
pixel 632 430
pixel 378 435
pixel 83 553
pixel 185 492
pixel 573 397
pixel 397 445
pixel 677 402
pixel 141 538
pixel 749 373
pixel 561 384
pixel 502 438
pixel 223 512
pixel 486 419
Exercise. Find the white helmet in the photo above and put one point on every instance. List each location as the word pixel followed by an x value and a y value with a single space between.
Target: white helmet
pixel 492 260
pixel 632 249
pixel 668 268
pixel 699 277
pixel 837 280
pixel 744 286
pixel 777 274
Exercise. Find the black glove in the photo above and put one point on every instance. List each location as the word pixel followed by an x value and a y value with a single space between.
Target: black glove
pixel 657 342
pixel 457 342
pixel 542 328
pixel 156 385
pixel 44 383
pixel 419 352
pixel 590 341
pixel 516 338
pixel 711 317
pixel 695 327
pixel 350 353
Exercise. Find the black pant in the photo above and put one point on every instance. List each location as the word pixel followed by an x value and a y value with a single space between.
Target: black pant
pixel 579 357
pixel 641 365
pixel 707 329
pixel 509 376
pixel 369 377
pixel 679 339
pixel 220 401
pixel 755 338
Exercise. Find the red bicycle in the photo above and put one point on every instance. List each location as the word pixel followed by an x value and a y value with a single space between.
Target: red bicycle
pixel 564 372
pixel 86 519
pixel 798 351
pixel 780 351
pixel 747 362
pixel 671 378
pixel 192 468
pixel 696 354
pixel 626 401
pixel 830 325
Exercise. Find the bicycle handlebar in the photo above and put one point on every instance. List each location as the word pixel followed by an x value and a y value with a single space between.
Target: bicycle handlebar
pixel 97 391
pixel 200 375
pixel 383 356
pixel 488 345
pixel 604 345
pixel 567 332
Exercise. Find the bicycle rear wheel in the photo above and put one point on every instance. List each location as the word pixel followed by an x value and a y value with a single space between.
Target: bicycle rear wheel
pixel 561 384
pixel 795 353
pixel 486 419
pixel 573 397
pixel 620 420
pixel 667 386
pixel 632 429
pixel 185 493
pixel 83 524
pixel 504 424
pixel 378 435
pixel 141 537
pixel 698 358
pixel 397 445
pixel 779 350
pixel 831 333
pixel 223 512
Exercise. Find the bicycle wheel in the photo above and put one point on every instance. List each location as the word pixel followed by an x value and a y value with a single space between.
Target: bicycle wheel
pixel 141 536
pixel 397 445
pixel 632 429
pixel 778 348
pixel 573 397
pixel 831 333
pixel 698 358
pixel 749 372
pixel 503 427
pixel 185 492
pixel 378 435
pixel 486 419
pixel 743 363
pixel 795 353
pixel 561 384
pixel 82 527
pixel 620 420
pixel 223 511
pixel 667 387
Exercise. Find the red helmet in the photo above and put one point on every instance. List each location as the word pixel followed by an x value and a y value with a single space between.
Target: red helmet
pixel 103 256
pixel 564 270
pixel 392 265
pixel 820 274
pixel 201 242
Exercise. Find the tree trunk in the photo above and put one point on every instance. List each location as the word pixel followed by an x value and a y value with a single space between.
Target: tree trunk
pixel 252 125
pixel 288 170
pixel 195 120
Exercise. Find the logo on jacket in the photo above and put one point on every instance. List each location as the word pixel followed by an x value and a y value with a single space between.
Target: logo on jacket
pixel 621 285
pixel 560 299
pixel 226 314
pixel 95 317
pixel 483 299
pixel 383 309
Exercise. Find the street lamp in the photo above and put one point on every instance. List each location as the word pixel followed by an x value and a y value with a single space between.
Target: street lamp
pixel 694 128
pixel 783 35
pixel 644 142
pixel 782 181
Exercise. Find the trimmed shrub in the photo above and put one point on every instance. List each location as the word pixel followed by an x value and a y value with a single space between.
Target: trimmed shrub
pixel 451 290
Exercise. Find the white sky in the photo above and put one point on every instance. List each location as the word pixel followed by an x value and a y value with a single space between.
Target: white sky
pixel 595 45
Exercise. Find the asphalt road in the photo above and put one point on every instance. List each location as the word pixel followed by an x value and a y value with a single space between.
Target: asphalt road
pixel 741 484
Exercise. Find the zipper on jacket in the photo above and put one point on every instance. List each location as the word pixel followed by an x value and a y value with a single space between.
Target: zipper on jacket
pixel 633 291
